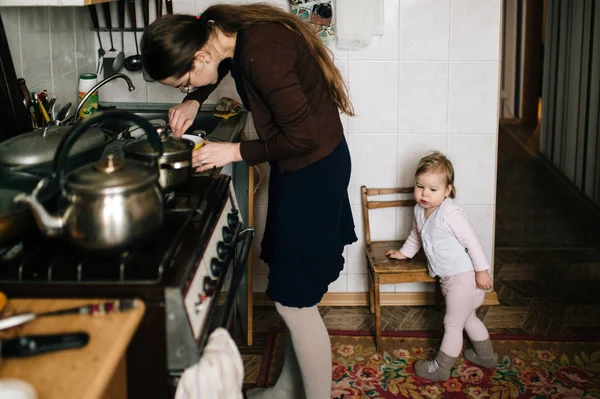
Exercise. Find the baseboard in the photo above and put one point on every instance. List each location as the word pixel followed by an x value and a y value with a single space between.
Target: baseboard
pixel 387 299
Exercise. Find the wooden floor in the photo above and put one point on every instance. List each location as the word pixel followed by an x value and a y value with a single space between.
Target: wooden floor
pixel 547 264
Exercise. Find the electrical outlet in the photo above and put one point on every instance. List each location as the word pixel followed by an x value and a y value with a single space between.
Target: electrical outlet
pixel 503 95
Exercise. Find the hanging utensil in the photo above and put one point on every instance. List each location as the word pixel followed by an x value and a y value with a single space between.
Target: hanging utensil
pixel 96 26
pixel 133 62
pixel 169 4
pixel 146 12
pixel 121 11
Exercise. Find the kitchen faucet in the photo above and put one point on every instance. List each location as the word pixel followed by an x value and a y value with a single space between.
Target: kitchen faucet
pixel 98 85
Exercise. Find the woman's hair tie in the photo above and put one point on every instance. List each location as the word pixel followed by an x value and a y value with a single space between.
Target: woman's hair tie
pixel 209 22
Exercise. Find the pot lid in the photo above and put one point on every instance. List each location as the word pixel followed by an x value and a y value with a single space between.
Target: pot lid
pixel 111 175
pixel 39 146
pixel 171 145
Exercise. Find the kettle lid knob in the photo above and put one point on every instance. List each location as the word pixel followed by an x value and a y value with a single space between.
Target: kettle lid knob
pixel 109 164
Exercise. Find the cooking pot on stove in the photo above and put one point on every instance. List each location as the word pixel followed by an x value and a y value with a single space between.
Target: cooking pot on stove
pixel 175 163
pixel 35 150
pixel 110 204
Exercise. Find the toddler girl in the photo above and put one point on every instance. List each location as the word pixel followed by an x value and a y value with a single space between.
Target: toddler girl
pixel 455 255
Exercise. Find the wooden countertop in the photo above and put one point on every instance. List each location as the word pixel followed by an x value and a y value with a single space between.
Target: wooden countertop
pixel 83 373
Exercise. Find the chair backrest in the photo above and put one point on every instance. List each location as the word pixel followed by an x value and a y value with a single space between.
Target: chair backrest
pixel 366 204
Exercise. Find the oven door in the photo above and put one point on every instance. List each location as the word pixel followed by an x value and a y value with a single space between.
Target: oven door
pixel 223 310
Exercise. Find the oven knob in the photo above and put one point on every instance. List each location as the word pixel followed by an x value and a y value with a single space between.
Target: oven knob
pixel 232 218
pixel 216 266
pixel 222 250
pixel 209 286
pixel 227 235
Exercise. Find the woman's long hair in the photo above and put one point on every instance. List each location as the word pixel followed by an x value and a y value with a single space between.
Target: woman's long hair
pixel 169 44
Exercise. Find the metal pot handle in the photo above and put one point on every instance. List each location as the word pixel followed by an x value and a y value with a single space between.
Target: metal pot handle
pixel 62 152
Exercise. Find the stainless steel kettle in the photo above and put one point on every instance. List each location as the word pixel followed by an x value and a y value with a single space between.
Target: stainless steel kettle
pixel 111 204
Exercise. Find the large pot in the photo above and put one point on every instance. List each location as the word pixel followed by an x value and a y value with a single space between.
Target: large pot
pixel 111 204
pixel 16 220
pixel 34 151
pixel 175 163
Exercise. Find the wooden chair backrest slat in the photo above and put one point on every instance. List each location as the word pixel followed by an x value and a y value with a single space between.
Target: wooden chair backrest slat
pixel 366 204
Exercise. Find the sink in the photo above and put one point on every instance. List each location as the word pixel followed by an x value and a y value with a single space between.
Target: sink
pixel 224 130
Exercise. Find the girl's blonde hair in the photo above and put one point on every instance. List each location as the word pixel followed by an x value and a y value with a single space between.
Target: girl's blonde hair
pixel 435 162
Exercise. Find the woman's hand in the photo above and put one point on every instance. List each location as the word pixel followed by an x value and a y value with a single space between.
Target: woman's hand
pixel 395 254
pixel 215 154
pixel 483 280
pixel 182 116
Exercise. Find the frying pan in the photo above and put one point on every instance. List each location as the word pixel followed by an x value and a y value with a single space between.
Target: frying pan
pixel 16 219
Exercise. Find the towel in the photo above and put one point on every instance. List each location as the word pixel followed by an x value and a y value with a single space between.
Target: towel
pixel 357 21
pixel 218 375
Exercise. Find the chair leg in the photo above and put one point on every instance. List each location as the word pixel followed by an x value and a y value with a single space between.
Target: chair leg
pixel 371 292
pixel 378 339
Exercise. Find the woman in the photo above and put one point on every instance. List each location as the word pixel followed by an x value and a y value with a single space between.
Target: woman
pixel 286 77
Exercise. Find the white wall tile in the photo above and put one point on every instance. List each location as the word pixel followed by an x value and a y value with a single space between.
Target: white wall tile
pixel 475 29
pixel 413 147
pixel 474 160
pixel 35 46
pixel 373 163
pixel 118 91
pixel 376 110
pixel 62 40
pixel 260 283
pixel 159 93
pixel 64 88
pixel 473 97
pixel 404 220
pixel 10 19
pixel 184 7
pixel 338 285
pixel 424 29
pixel 85 38
pixel 423 97
pixel 482 219
pixel 225 89
pixel 358 283
pixel 383 47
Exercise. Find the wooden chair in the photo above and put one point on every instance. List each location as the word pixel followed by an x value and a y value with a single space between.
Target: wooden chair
pixel 385 270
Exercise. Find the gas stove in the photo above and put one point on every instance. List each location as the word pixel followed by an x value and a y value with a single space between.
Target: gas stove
pixel 187 273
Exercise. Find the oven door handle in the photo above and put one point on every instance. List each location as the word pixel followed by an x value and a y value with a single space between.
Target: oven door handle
pixel 238 271
pixel 247 235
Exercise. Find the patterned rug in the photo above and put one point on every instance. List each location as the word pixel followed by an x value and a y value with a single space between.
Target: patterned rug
pixel 528 367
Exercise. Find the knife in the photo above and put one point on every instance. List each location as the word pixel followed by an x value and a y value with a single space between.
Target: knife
pixel 29 345
pixel 169 4
pixel 92 309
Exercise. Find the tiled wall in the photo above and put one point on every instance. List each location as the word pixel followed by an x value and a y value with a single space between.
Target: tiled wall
pixel 50 47
pixel 430 82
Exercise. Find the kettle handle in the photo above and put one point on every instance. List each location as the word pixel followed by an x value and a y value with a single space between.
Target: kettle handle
pixel 62 152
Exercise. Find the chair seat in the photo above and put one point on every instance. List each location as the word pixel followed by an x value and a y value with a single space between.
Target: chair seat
pixel 413 270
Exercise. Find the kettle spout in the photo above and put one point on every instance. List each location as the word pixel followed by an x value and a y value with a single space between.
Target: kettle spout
pixel 50 225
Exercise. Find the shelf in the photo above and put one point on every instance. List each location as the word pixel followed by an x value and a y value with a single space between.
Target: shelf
pixel 52 3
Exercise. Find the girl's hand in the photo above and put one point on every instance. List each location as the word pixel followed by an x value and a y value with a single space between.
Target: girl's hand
pixel 182 116
pixel 395 254
pixel 483 280
pixel 215 154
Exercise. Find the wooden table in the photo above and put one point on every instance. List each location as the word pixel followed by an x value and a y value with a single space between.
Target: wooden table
pixel 94 371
